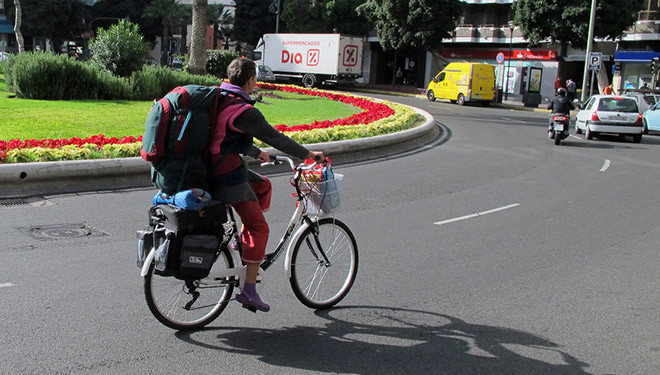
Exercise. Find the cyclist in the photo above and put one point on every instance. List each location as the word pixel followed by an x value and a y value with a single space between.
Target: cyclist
pixel 560 104
pixel 248 192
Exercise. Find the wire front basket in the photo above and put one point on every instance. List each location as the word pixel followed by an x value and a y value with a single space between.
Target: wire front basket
pixel 321 197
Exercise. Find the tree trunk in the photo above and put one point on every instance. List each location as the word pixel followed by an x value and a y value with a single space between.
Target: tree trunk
pixel 394 70
pixel 215 35
pixel 184 39
pixel 601 75
pixel 165 44
pixel 17 27
pixel 198 43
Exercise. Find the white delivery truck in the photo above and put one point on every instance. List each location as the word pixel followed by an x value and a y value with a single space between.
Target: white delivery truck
pixel 311 59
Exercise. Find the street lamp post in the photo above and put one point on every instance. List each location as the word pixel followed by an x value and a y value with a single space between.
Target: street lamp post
pixel 590 39
pixel 508 62
pixel 275 8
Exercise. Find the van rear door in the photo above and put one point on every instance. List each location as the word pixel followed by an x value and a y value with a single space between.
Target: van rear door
pixel 483 82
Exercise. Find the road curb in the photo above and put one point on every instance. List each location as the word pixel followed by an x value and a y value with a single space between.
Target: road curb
pixel 50 178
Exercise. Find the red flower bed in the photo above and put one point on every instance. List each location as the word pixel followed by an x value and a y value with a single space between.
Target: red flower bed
pixel 99 140
pixel 372 111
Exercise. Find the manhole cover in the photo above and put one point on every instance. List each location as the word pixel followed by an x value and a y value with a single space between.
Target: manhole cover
pixel 62 231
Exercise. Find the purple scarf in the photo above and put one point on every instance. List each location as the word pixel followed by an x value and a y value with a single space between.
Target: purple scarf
pixel 236 90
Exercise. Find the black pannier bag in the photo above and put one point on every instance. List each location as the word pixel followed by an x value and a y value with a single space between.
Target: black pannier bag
pixel 186 241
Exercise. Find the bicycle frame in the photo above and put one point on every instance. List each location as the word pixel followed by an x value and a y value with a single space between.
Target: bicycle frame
pixel 299 219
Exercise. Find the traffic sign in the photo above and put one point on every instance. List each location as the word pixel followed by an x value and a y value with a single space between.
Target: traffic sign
pixel 595 59
pixel 500 57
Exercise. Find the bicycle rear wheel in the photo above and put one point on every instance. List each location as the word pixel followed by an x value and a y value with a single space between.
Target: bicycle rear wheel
pixel 189 304
pixel 320 281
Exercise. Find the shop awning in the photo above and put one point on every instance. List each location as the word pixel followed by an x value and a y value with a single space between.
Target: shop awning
pixel 635 56
pixel 6 27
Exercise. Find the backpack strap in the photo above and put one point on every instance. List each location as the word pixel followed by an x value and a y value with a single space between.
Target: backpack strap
pixel 231 107
pixel 183 117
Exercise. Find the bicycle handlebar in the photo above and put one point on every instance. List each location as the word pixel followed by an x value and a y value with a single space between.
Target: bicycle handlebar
pixel 276 160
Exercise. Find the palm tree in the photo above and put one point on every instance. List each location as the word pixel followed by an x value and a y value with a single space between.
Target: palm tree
pixel 227 28
pixel 198 43
pixel 183 19
pixel 213 18
pixel 166 11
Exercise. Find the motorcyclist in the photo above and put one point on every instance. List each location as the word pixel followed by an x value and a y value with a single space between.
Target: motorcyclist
pixel 560 104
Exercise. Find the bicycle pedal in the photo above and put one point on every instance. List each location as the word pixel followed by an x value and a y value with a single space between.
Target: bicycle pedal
pixel 251 308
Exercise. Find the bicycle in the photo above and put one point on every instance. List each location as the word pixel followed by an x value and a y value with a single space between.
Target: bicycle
pixel 321 263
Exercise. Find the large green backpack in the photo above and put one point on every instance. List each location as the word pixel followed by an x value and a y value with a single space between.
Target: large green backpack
pixel 177 135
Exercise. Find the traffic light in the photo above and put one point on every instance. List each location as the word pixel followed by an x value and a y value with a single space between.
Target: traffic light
pixel 655 65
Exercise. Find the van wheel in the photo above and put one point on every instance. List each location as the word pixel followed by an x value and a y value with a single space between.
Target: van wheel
pixel 485 104
pixel 309 80
pixel 461 99
pixel 577 130
pixel 430 95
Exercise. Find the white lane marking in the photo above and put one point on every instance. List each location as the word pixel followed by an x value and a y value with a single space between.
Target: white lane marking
pixel 470 216
pixel 574 136
pixel 5 285
pixel 514 120
pixel 605 165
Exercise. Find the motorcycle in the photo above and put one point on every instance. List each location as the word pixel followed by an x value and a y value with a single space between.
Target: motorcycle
pixel 559 127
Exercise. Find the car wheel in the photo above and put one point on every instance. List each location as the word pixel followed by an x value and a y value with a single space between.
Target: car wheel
pixel 577 130
pixel 645 128
pixel 430 95
pixel 589 134
pixel 461 99
pixel 637 138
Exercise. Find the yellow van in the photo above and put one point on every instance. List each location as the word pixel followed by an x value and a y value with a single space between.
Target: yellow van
pixel 462 82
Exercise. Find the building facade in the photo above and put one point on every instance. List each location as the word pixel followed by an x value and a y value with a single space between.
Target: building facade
pixel 636 50
pixel 486 33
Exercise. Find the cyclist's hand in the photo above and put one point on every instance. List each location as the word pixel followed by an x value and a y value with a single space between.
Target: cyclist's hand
pixel 264 156
pixel 317 156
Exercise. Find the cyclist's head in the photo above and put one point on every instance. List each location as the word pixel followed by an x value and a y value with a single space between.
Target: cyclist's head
pixel 241 70
pixel 561 91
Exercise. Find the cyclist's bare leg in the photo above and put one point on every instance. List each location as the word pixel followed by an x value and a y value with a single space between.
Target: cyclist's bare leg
pixel 251 273
pixel 254 238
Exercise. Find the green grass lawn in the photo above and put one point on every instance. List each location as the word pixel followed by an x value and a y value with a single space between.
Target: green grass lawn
pixel 37 119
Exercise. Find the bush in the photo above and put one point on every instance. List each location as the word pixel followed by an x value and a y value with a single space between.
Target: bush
pixel 217 62
pixel 154 81
pixel 41 75
pixel 120 49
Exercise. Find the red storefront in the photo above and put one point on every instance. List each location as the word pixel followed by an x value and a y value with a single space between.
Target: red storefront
pixel 515 66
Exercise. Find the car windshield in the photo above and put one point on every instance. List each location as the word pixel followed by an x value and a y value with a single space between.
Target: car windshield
pixel 617 105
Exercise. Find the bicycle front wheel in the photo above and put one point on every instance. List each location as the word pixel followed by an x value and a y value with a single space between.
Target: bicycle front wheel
pixel 189 304
pixel 324 264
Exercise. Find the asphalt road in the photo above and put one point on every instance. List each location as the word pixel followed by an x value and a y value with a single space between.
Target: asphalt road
pixel 484 250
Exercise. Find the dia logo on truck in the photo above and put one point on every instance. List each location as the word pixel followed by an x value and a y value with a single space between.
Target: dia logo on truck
pixel 350 55
pixel 297 58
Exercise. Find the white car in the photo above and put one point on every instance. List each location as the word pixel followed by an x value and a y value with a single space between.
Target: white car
pixel 611 114
pixel 265 74
pixel 644 100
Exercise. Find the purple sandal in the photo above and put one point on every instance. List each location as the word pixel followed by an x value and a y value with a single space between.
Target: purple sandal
pixel 253 303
